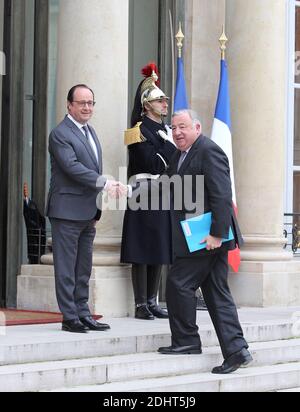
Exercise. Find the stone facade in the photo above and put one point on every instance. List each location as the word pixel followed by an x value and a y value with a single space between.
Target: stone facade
pixel 257 66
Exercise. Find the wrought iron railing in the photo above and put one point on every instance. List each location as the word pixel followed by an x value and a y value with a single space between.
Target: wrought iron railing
pixel 37 244
pixel 292 231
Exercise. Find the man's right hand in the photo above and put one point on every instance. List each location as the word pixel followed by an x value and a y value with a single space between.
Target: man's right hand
pixel 115 189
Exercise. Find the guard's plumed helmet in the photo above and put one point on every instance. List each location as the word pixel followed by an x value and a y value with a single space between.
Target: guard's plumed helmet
pixel 149 89
pixel 147 92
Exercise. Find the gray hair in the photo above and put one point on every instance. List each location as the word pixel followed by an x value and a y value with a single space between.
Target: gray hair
pixel 192 114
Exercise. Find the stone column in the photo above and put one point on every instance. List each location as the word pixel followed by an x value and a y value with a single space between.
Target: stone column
pixel 93 49
pixel 203 27
pixel 256 56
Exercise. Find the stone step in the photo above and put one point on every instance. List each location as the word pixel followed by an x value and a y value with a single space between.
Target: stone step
pixel 42 343
pixel 106 258
pixel 124 368
pixel 290 390
pixel 251 379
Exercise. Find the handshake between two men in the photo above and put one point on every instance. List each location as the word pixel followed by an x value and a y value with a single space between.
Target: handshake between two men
pixel 116 189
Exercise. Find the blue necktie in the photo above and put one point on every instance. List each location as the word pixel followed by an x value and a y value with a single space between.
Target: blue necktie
pixel 86 131
pixel 87 135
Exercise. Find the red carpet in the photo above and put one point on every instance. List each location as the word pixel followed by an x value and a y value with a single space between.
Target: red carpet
pixel 14 317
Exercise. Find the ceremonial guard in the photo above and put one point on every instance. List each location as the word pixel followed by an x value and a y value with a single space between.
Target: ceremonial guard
pixel 146 240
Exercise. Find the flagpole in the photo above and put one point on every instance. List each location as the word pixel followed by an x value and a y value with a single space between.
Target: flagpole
pixel 180 96
pixel 173 58
pixel 223 40
pixel 179 37
pixel 222 136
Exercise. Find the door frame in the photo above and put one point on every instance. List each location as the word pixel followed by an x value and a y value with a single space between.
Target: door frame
pixel 11 150
pixel 11 161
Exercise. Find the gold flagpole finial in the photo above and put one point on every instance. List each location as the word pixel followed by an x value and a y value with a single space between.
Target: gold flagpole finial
pixel 223 40
pixel 179 37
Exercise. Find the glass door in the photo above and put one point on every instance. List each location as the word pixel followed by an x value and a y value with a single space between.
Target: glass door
pixel 296 133
pixel 292 204
pixel 2 57
pixel 28 108
pixel 23 130
pixel 143 42
pixel 2 73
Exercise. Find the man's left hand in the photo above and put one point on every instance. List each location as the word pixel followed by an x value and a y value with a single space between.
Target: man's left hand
pixel 212 242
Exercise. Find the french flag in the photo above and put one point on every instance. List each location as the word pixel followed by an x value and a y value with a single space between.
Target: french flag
pixel 221 134
pixel 180 100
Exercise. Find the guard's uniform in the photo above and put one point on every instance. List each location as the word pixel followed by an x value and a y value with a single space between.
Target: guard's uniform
pixel 146 240
pixel 147 233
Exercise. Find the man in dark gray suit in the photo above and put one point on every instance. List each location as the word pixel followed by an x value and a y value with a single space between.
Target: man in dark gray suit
pixel 76 180
pixel 207 268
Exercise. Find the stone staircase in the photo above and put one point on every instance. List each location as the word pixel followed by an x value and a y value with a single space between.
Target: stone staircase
pixel 124 359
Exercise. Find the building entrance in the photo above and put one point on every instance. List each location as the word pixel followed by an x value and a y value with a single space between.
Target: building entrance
pixel 23 33
pixel 2 73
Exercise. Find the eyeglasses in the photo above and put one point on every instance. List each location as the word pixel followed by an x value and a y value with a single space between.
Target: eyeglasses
pixel 82 103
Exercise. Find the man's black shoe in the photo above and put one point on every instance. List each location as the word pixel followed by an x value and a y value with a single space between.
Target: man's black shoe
pixel 142 312
pixel 91 324
pixel 236 360
pixel 181 350
pixel 158 312
pixel 74 326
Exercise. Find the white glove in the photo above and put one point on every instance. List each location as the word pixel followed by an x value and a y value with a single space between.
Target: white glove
pixel 168 137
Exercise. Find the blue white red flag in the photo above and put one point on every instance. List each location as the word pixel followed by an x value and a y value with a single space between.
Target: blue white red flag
pixel 221 134
pixel 180 101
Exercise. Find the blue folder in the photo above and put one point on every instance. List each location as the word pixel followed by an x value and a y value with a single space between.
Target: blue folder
pixel 198 228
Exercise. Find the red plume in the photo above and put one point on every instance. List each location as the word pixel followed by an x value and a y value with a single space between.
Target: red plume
pixel 147 71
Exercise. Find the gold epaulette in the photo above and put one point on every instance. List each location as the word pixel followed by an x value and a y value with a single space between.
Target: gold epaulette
pixel 133 135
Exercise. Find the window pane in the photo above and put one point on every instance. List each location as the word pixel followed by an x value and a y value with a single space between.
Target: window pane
pixel 296 218
pixel 296 192
pixel 297 129
pixel 297 46
pixel 143 45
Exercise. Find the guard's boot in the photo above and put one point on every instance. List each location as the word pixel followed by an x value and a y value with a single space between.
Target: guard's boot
pixel 139 283
pixel 153 280
pixel 142 312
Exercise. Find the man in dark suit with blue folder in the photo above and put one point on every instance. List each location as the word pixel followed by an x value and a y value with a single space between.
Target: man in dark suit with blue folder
pixel 208 267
